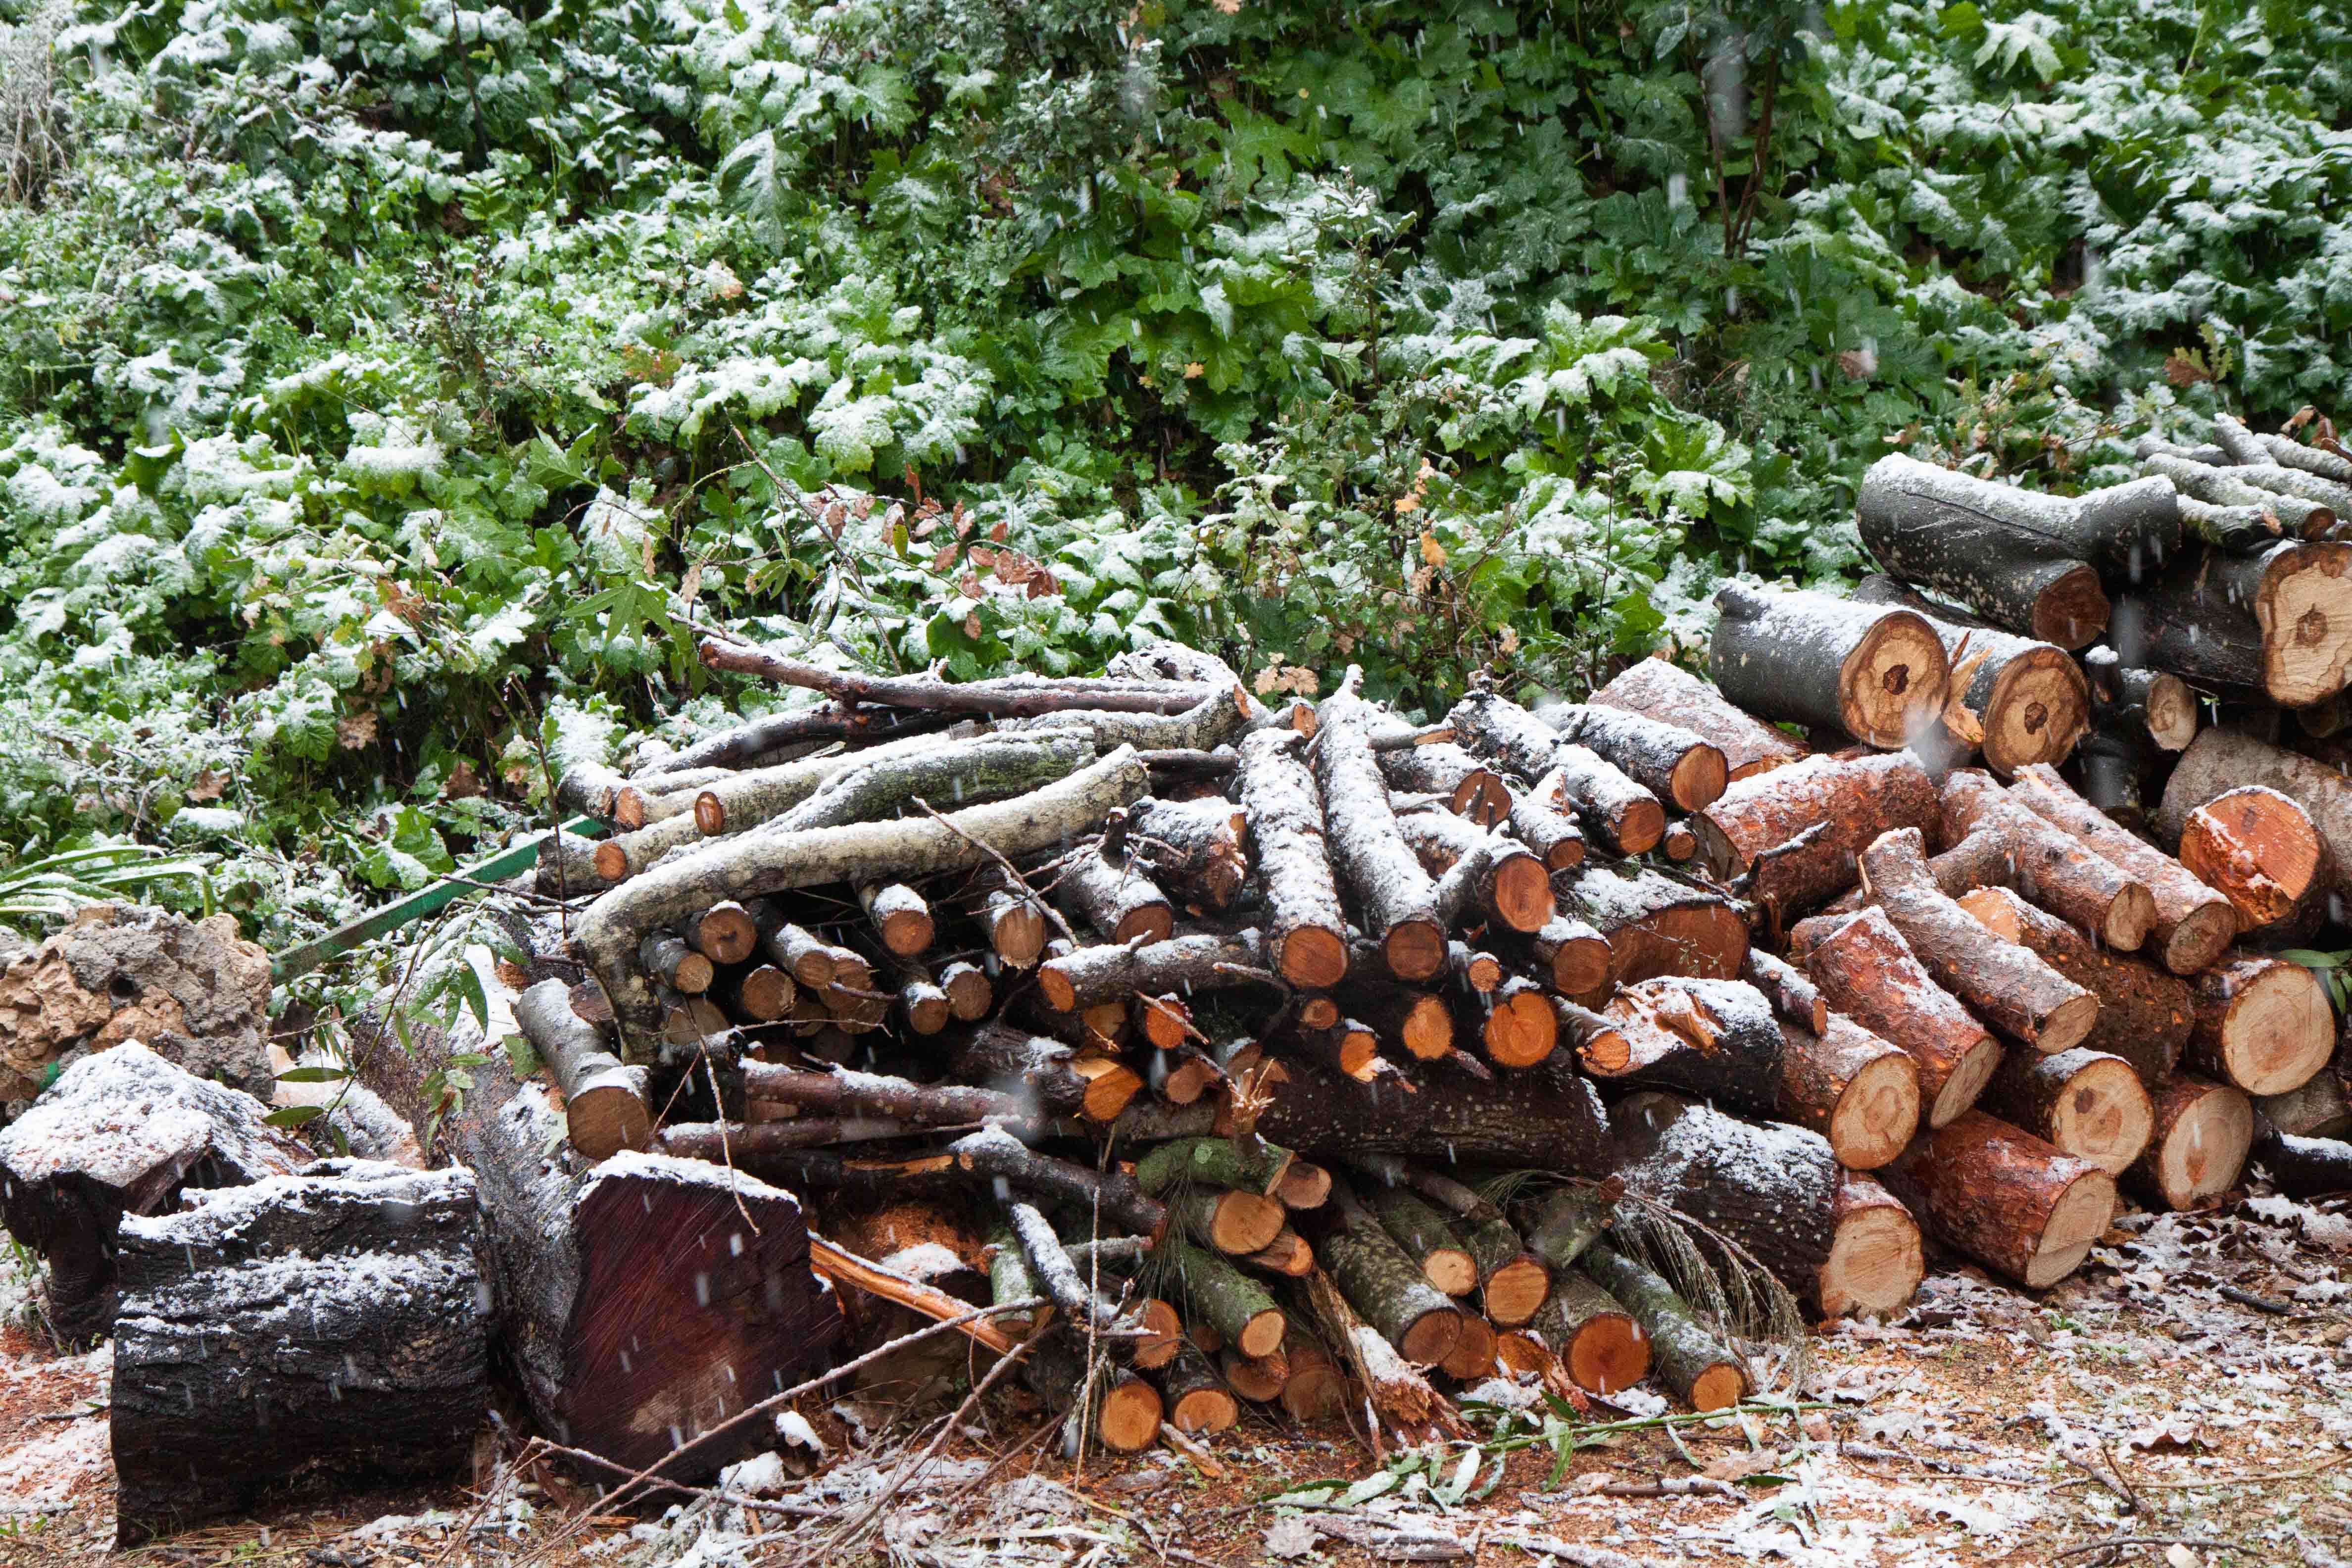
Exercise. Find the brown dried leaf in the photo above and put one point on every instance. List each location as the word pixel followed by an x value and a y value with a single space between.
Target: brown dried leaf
pixel 461 783
pixel 210 784
pixel 356 731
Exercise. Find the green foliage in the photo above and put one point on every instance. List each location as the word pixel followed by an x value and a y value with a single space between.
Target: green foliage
pixel 382 384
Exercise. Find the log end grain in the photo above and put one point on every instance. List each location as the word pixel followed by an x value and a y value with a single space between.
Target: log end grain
pixel 1313 957
pixel 2103 1115
pixel 1877 1114
pixel 2073 610
pixel 1165 1331
pixel 1471 1359
pixel 2200 937
pixel 1513 1293
pixel 1430 1338
pixel 1968 1076
pixel 1451 1270
pixel 2305 608
pixel 2258 849
pixel 1262 1335
pixel 1892 682
pixel 2203 1131
pixel 1521 1029
pixel 1638 826
pixel 2063 1027
pixel 1608 1352
pixel 1244 1223
pixel 1698 780
pixel 1875 1263
pixel 2272 1034
pixel 2171 712
pixel 1129 1419
pixel 1522 892
pixel 2040 705
pixel 607 1115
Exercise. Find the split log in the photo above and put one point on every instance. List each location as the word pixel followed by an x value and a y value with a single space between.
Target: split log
pixel 2193 923
pixel 1713 1038
pixel 1395 897
pixel 1469 787
pixel 1868 972
pixel 1657 688
pixel 2005 1198
pixel 607 934
pixel 2024 700
pixel 1552 834
pixel 2028 562
pixel 2262 851
pixel 1768 1188
pixel 1795 834
pixel 2002 983
pixel 1670 762
pixel 1794 998
pixel 2304 1167
pixel 122 1132
pixel 1657 925
pixel 1876 1264
pixel 1111 972
pixel 1307 931
pixel 2011 847
pixel 2081 1102
pixel 605 1109
pixel 1599 1345
pixel 1392 1388
pixel 2144 1014
pixel 1687 1358
pixel 1856 1089
pixel 2202 1132
pixel 1478 870
pixel 1384 1285
pixel 2225 760
pixel 1117 901
pixel 334 1324
pixel 2264 1023
pixel 1192 848
pixel 1568 778
pixel 2274 625
pixel 1875 672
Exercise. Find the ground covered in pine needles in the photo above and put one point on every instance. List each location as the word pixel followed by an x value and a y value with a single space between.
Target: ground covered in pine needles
pixel 2190 1392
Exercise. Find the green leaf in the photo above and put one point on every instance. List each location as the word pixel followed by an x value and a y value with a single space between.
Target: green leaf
pixel 314 1075
pixel 294 1115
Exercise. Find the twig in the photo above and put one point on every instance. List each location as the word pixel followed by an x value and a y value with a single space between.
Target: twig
pixel 734 1189
pixel 995 854
pixel 2122 1541
pixel 1202 1460
pixel 2259 1303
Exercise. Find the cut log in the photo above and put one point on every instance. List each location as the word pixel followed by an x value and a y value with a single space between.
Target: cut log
pixel 1795 834
pixel 723 934
pixel 2193 923
pixel 1856 1089
pixel 2005 1198
pixel 970 992
pixel 2028 562
pixel 1384 1285
pixel 1673 763
pixel 2019 700
pixel 1288 1254
pixel 1016 924
pixel 1794 998
pixel 2228 489
pixel 2264 1023
pixel 1394 897
pixel 758 741
pixel 1657 925
pixel 2161 705
pixel 1196 1398
pixel 1521 1028
pixel 665 957
pixel 2262 851
pixel 2081 1102
pixel 1768 1188
pixel 1512 1280
pixel 1022 695
pixel 1124 1411
pixel 1307 933
pixel 1471 1359
pixel 797 951
pixel 1192 848
pixel 2320 1109
pixel 1571 779
pixel 1088 976
pixel 1657 688
pixel 1680 844
pixel 2144 1014
pixel 2274 625
pixel 1119 901
pixel 1570 955
pixel 122 1132
pixel 2304 1167
pixel 1875 672
pixel 2225 760
pixel 1419 1021
pixel 1687 1358
pixel 1469 787
pixel 1316 1389
pixel 1427 1237
pixel 2201 1136
pixel 1868 973
pixel 1480 974
pixel 605 1109
pixel 1480 875
pixel 762 993
pixel 901 917
pixel 1558 840
pixel 1713 1038
pixel 1602 1349
pixel 330 1325
pixel 1258 1379
pixel 1564 1222
pixel 1236 1224
pixel 2016 847
pixel 2002 983
pixel 1231 1302
pixel 1875 1263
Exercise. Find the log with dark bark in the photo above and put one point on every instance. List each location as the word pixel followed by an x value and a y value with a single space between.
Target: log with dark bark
pixel 122 1132
pixel 1480 874
pixel 1552 834
pixel 1715 1038
pixel 2304 1167
pixel 1395 899
pixel 1795 834
pixel 2028 562
pixel 1196 1398
pixel 605 1107
pixel 2193 923
pixel 1057 1078
pixel 1316 1390
pixel 2017 699
pixel 1996 841
pixel 1686 1357
pixel 326 1326
pixel 1513 1280
pixel 1875 672
pixel 752 744
pixel 2202 1132
pixel 1124 1411
pixel 1567 777
pixel 2263 852
pixel 2264 1023
pixel 1111 971
pixel 1120 901
pixel 1468 786
pixel 1599 1345
pixel 1795 998
pixel 2320 1109
pixel 725 932
pixel 1658 688
pixel 1307 931
pixel 2081 1102
pixel 1856 1089
pixel 1564 1221
pixel 1655 925
pixel 2005 1197
pixel 665 958
pixel 1867 971
pixel 1385 1286
pixel 1427 1236
pixel 1875 1263
pixel 2274 625
pixel 1770 1188
pixel 2225 760
pixel 2002 983
pixel 2145 1014
pixel 2161 705
pixel 1673 763
pixel 1192 848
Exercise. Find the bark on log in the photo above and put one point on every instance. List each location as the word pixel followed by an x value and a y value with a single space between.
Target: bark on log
pixel 1713 1038
pixel 1192 848
pixel 330 1325
pixel 1469 788
pixel 1384 1285
pixel 2145 1014
pixel 1016 924
pixel 1570 955
pixel 1395 897
pixel 1658 688
pixel 1867 971
pixel 1478 870
pixel 2304 1167
pixel 2320 1109
pixel 1567 777
pixel 2025 702
pixel 2198 1146
pixel 2193 923
pixel 1307 932
pixel 901 917
pixel 1687 1358
pixel 2264 853
pixel 2264 1025
pixel 1670 762
pixel 1657 925
pixel 122 1132
pixel 751 744
pixel 1558 840
pixel 1876 672
pixel 1120 901
pixel 2292 516
pixel 1860 1092
pixel 2002 983
pixel 1875 1263
pixel 1427 1237
pixel 2276 625
pixel 1794 998
pixel 2160 704
pixel 605 1107
pixel 1512 1280
pixel 2286 450
pixel 1560 1224
pixel 1795 834
pixel 810 961
pixel 2052 868
pixel 1014 697
pixel 1196 1398
pixel 608 933
pixel 2005 1198
pixel 1480 974
pixel 1124 1411
pixel 2223 760
pixel 1111 972
pixel 1599 1345
pixel 2081 1102
pixel 1258 1379
pixel 723 934
pixel 1770 1188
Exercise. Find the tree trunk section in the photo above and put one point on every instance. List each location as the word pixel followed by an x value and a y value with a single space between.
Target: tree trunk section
pixel 2203 1133
pixel 2264 1025
pixel 1469 787
pixel 2304 1167
pixel 1117 901
pixel 1795 998
pixel 2025 702
pixel 1192 848
pixel 2005 1198
pixel 1795 834
pixel 1657 925
pixel 1427 1237
pixel 1687 1358
pixel 2017 848
pixel 2275 625
pixel 1395 897
pixel 1868 973
pixel 1655 688
pixel 2222 761
pixel 1717 1039
pixel 1856 1089
pixel 1670 762
pixel 2081 1102
pixel 1566 777
pixel 1384 1285
pixel 1770 1188
pixel 2145 1015
pixel 1875 672
pixel 2262 851
pixel 1599 1345
pixel 2193 923
pixel 1875 1263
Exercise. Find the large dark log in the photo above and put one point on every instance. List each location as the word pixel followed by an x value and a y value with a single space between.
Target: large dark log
pixel 333 1325
pixel 1307 933
pixel 2081 1102
pixel 2198 1146
pixel 2144 1014
pixel 2028 562
pixel 2276 625
pixel 1867 970
pixel 1860 1092
pixel 1795 833
pixel 2304 1167
pixel 2005 1198
pixel 122 1132
pixel 1658 688
pixel 1384 1285
pixel 2007 844
pixel 1713 1038
pixel 1670 762
pixel 1876 672
pixel 2193 923
pixel 1394 897
pixel 2264 1023
pixel 1769 1187
pixel 2027 701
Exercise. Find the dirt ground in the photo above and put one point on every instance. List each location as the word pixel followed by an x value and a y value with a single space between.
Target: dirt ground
pixel 2189 1394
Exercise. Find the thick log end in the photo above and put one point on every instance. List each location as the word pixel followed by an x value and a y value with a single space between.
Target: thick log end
pixel 1877 1114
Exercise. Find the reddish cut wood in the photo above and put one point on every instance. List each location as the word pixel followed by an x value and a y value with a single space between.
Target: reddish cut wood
pixel 1795 833
pixel 2083 1103
pixel 1670 762
pixel 1860 1092
pixel 2201 1135
pixel 2261 849
pixel 2144 1014
pixel 1876 1264
pixel 1657 925
pixel 2223 760
pixel 1598 1343
pixel 1713 1038
pixel 2017 700
pixel 2005 1197
pixel 1867 971
pixel 2264 1025
pixel 2193 923
pixel 1658 688
pixel 2009 845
